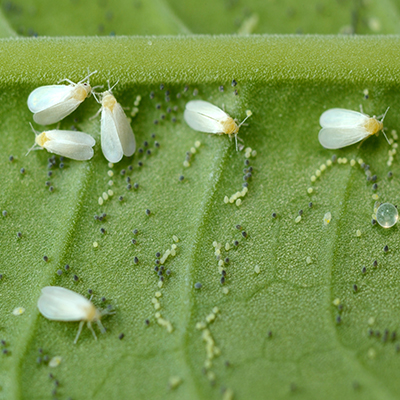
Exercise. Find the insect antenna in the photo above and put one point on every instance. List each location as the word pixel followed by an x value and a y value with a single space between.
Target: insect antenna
pixel 34 147
pixel 383 130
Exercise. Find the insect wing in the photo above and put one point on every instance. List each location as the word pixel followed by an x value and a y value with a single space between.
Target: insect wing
pixel 206 108
pixel 204 117
pixel 110 143
pixel 336 138
pixel 60 304
pixel 44 97
pixel 124 130
pixel 202 123
pixel 56 112
pixel 71 144
pixel 76 137
pixel 342 118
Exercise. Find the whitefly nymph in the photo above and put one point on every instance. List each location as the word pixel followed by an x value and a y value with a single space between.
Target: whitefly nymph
pixel 52 103
pixel 341 127
pixel 203 116
pixel 59 304
pixel 72 144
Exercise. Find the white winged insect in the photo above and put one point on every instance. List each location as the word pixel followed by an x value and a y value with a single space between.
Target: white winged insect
pixel 59 304
pixel 71 144
pixel 341 127
pixel 52 103
pixel 117 138
pixel 205 117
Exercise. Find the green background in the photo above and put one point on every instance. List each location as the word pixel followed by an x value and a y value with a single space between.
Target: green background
pixel 277 331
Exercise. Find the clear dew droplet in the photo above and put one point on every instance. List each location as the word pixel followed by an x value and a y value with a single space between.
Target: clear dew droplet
pixel 387 215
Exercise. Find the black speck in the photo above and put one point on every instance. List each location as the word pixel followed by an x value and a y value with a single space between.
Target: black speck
pixel 158 254
pixel 61 165
pixel 140 164
pixel 19 234
pixel 102 230
pixel 247 162
pixel 133 241
pixel 355 288
pixel 76 278
pixel 90 291
pixel 168 272
pixel 45 258
pixel 59 272
pixel 103 299
pixel 129 186
pixel 155 122
pixel 236 243
pixel 244 234
pixel 50 173
pixel 234 83
pixel 227 260
pixel 375 186
pixel 198 285
pixel 66 267
pixel 375 263
pixel 239 227
pixel 236 92
pixel 162 86
pixel 221 88
pixel 156 269
pixel 273 215
pixel 390 174
pixel 338 319
pixel 334 158
pixel 148 212
pixel 147 322
pixel 136 260
pixel 222 280
pixel 181 178
pixel 151 95
pixel 300 212
pixel 373 221
pixel 135 231
pixel 364 270
pixel 386 249
pixel 11 158
pixel 22 170
pixel 136 185
pixel 148 152
pixel 123 172
pixel 120 198
pixel 374 178
pixel 140 150
pixel 157 144
pixel 51 189
pixel 121 336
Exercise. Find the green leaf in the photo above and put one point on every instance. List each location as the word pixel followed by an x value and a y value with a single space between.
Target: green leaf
pixel 155 17
pixel 287 82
